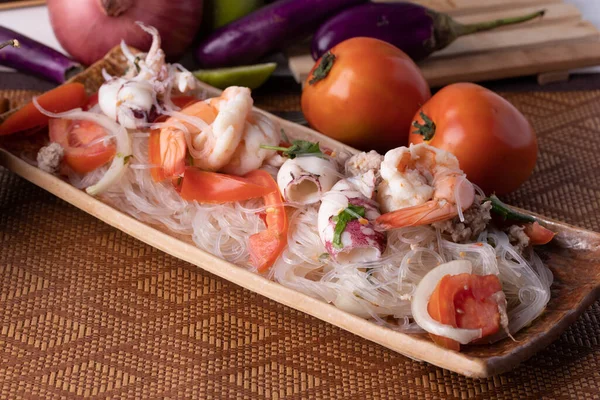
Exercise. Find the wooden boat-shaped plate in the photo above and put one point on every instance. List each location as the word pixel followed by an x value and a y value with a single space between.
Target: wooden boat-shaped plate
pixel 573 256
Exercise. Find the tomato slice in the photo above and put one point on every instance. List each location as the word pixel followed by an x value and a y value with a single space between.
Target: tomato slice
pixel 158 174
pixel 217 188
pixel 267 246
pixel 464 301
pixel 75 137
pixel 61 99
pixel 538 235
pixel 92 101
pixel 184 101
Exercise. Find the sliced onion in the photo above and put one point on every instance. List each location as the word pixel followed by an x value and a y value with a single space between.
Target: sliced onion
pixel 423 293
pixel 123 142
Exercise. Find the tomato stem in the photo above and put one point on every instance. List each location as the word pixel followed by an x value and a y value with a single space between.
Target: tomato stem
pixel 323 68
pixel 427 129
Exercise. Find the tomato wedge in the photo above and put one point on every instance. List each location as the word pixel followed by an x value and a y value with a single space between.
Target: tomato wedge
pixel 217 188
pixel 464 301
pixel 158 174
pixel 75 137
pixel 538 235
pixel 61 99
pixel 267 246
pixel 91 103
pixel 184 101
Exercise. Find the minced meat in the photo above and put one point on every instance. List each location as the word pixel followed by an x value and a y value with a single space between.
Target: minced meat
pixel 364 162
pixel 518 238
pixel 49 157
pixel 476 219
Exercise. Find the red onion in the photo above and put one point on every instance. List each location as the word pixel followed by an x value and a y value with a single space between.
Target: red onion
pixel 88 29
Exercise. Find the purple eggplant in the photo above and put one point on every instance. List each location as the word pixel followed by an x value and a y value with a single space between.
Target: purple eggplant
pixel 266 30
pixel 414 29
pixel 35 58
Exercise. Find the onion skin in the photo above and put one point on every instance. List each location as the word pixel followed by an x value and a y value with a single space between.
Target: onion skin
pixel 88 29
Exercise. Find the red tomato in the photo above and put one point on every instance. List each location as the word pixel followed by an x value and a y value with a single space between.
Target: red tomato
pixel 60 99
pixel 494 143
pixel 368 96
pixel 267 246
pixel 74 137
pixel 184 101
pixel 216 188
pixel 158 175
pixel 463 301
pixel 538 235
pixel 92 101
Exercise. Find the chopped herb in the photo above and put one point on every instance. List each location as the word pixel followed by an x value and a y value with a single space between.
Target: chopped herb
pixel 179 181
pixel 324 256
pixel 119 154
pixel 506 212
pixel 341 221
pixel 127 158
pixel 297 148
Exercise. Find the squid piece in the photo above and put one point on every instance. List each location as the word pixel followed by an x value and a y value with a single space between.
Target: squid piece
pixel 304 180
pixel 129 103
pixel 345 224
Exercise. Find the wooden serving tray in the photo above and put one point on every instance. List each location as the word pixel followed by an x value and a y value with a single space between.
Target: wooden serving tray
pixel 573 257
pixel 548 47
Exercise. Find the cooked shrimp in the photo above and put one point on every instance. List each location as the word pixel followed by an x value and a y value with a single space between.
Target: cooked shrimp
pixel 259 130
pixel 214 146
pixel 422 185
pixel 211 131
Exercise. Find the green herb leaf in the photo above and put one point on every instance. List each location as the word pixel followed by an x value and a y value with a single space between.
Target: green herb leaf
pixel 506 212
pixel 297 148
pixel 341 221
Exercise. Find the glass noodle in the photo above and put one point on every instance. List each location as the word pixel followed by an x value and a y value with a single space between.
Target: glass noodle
pixel 381 291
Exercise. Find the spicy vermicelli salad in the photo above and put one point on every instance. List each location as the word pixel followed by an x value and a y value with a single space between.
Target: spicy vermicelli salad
pixel 403 239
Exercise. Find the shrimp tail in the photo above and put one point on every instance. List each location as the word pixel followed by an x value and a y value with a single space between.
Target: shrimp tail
pixel 424 214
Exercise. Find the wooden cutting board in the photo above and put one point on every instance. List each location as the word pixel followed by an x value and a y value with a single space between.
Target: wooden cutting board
pixel 547 47
pixel 10 4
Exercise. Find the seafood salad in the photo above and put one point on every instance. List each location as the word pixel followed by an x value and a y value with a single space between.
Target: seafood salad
pixel 403 238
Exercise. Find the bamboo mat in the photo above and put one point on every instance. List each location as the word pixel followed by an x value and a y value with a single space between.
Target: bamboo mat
pixel 89 312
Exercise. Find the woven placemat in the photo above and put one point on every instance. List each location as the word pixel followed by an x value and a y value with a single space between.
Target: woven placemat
pixel 87 311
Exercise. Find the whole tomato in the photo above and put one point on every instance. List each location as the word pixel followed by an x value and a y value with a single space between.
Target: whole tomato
pixel 364 92
pixel 494 143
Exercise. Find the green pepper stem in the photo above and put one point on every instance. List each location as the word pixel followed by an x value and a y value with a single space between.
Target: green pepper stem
pixel 462 30
pixel 506 212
